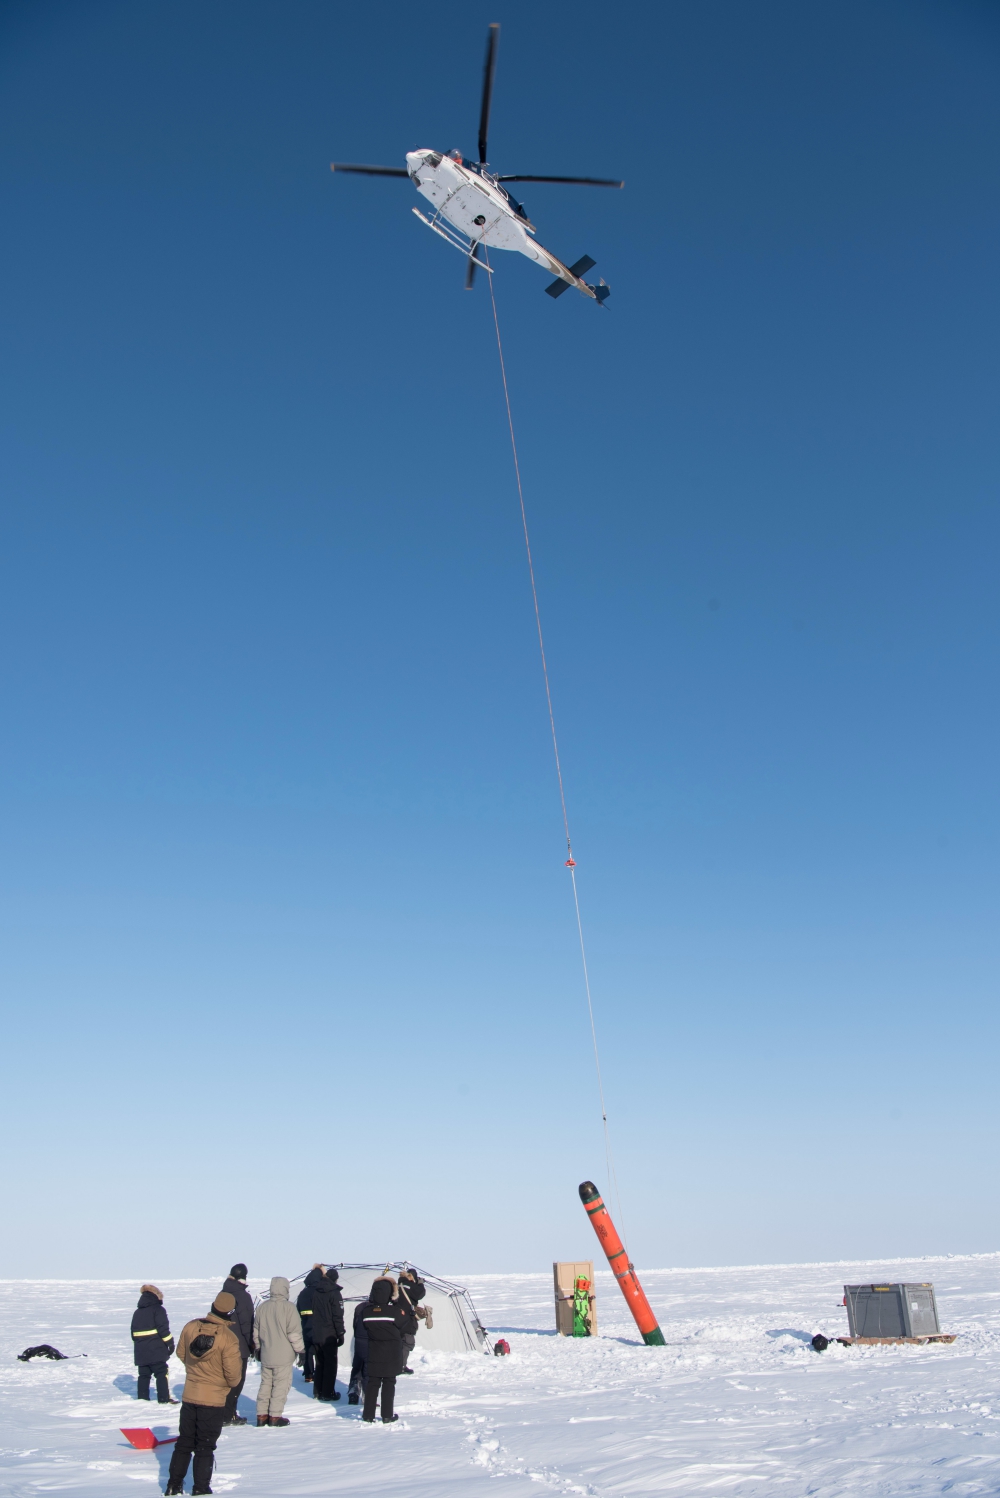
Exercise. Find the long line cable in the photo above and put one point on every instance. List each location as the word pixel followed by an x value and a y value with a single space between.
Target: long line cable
pixel 570 860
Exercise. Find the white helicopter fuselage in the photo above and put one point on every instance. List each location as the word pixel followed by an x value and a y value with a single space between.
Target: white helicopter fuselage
pixel 479 209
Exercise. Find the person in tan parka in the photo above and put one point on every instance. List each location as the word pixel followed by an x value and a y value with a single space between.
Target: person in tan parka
pixel 210 1352
pixel 277 1330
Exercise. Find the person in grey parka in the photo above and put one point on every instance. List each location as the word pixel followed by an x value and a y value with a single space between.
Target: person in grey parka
pixel 278 1335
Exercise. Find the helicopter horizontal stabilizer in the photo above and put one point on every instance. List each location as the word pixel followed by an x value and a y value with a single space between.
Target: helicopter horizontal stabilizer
pixel 584 264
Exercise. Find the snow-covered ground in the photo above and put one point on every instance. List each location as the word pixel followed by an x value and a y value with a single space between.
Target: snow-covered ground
pixel 737 1403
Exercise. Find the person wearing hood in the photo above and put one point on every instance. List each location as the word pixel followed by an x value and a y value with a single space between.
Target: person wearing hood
pixel 152 1344
pixel 384 1321
pixel 236 1286
pixel 327 1328
pixel 278 1335
pixel 210 1351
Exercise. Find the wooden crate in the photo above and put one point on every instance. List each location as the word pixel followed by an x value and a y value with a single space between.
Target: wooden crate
pixel 564 1277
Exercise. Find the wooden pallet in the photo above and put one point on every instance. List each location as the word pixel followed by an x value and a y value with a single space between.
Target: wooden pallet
pixel 894 1341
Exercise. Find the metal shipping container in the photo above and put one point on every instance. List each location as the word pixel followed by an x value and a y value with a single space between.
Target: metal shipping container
pixel 902 1310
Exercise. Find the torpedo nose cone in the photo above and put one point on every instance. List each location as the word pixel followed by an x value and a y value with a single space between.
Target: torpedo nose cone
pixel 588 1192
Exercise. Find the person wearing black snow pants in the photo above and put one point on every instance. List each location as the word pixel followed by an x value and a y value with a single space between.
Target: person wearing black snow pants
pixel 359 1363
pixel 242 1325
pixel 327 1329
pixel 148 1371
pixel 152 1344
pixel 384 1321
pixel 201 1427
pixel 210 1352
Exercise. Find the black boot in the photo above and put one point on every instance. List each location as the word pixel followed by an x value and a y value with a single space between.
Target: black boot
pixel 172 1489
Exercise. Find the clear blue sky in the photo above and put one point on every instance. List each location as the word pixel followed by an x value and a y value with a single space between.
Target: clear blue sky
pixel 287 950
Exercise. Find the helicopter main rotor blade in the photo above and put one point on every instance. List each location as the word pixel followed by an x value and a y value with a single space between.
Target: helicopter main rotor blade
pixel 370 171
pixel 489 68
pixel 583 181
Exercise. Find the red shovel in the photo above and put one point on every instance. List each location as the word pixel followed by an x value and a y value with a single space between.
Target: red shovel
pixel 144 1440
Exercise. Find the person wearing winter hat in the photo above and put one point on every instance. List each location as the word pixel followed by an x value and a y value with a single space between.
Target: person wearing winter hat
pixel 152 1344
pixel 236 1285
pixel 210 1351
pixel 327 1328
pixel 278 1334
pixel 384 1321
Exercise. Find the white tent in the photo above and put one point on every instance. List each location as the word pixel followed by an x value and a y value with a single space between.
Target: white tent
pixel 455 1324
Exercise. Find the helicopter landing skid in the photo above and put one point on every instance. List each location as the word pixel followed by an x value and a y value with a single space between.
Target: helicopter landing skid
pixel 452 237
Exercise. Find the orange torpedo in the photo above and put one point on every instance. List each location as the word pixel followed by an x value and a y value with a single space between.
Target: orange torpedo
pixel 623 1271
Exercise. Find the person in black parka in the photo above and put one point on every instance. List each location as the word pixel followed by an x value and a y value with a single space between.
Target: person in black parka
pixel 359 1363
pixel 384 1322
pixel 327 1329
pixel 152 1344
pixel 242 1325
pixel 411 1291
pixel 304 1306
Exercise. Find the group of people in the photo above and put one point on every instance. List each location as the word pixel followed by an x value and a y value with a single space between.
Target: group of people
pixel 215 1350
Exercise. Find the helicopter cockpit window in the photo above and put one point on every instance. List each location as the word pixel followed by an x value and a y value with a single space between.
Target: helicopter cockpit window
pixel 432 158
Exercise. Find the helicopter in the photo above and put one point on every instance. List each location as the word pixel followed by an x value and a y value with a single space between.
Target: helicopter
pixel 473 208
